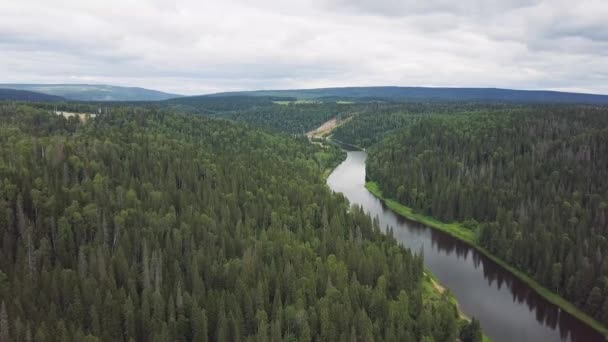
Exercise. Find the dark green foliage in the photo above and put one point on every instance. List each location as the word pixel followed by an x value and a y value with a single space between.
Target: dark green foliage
pixel 213 104
pixel 471 332
pixel 371 125
pixel 374 121
pixel 292 118
pixel 5 335
pixel 150 226
pixel 536 180
pixel 275 113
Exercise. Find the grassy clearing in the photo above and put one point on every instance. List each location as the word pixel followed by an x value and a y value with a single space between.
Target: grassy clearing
pixel 460 232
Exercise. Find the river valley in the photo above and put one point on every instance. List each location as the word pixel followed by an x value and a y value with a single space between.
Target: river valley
pixel 508 309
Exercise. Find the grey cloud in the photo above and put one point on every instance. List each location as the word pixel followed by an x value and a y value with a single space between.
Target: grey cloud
pixel 414 7
pixel 194 47
pixel 592 32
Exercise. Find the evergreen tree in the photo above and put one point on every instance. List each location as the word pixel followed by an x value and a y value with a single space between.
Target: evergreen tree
pixel 471 332
pixel 5 335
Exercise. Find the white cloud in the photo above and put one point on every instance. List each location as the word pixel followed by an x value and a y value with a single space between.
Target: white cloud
pixel 196 47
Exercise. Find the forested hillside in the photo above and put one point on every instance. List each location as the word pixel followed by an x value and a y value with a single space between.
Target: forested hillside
pixel 438 94
pixel 374 121
pixel 294 118
pixel 93 92
pixel 219 104
pixel 533 182
pixel 276 114
pixel 279 114
pixel 24 95
pixel 143 225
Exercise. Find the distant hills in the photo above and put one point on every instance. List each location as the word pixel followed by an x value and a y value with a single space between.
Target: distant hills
pixel 241 99
pixel 430 94
pixel 24 95
pixel 93 92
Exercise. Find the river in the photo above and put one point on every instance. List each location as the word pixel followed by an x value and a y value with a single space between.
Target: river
pixel 508 309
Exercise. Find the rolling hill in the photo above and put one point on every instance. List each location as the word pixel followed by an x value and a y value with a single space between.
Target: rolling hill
pixel 427 93
pixel 24 95
pixel 94 92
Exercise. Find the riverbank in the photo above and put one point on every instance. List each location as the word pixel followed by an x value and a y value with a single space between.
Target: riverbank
pixel 328 160
pixel 329 169
pixel 434 290
pixel 468 236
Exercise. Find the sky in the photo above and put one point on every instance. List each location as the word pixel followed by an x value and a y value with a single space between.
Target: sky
pixel 206 46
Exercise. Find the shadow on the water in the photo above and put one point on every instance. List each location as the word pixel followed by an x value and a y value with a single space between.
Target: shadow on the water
pixel 547 314
pixel 345 146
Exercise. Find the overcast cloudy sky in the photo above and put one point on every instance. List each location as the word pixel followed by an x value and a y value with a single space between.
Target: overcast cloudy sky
pixel 202 46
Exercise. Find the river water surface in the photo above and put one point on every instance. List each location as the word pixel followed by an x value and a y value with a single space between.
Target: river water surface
pixel 508 309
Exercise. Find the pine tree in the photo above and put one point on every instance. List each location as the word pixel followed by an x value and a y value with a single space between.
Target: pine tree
pixel 5 335
pixel 594 301
pixel 275 331
pixel 222 330
pixel 604 314
pixel 262 329
pixel 199 325
pixel 471 332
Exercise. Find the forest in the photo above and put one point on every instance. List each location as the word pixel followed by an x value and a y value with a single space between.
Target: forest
pixel 530 181
pixel 376 121
pixel 292 118
pixel 278 114
pixel 144 224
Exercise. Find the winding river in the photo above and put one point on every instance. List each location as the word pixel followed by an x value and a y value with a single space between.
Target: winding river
pixel 508 309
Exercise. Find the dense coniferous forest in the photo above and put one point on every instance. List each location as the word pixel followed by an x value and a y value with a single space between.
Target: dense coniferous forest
pixel 293 118
pixel 143 225
pixel 276 114
pixel 213 104
pixel 375 121
pixel 532 182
